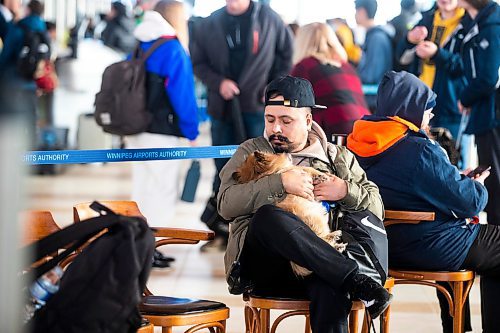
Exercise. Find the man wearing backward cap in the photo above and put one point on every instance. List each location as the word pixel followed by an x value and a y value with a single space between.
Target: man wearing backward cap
pixel 264 239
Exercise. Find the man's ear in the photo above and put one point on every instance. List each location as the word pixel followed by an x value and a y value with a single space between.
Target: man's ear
pixel 309 120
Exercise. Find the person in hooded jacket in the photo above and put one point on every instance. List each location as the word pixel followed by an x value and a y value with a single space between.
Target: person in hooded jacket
pixel 413 173
pixel 480 62
pixel 17 93
pixel 171 99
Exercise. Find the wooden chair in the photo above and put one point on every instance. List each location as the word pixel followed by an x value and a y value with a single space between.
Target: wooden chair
pixel 36 224
pixel 169 312
pixel 258 313
pixel 460 281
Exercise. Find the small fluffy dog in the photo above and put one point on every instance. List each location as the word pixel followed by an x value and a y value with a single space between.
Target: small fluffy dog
pixel 314 215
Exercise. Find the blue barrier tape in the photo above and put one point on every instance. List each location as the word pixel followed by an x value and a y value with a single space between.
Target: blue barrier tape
pixel 126 155
pixel 370 89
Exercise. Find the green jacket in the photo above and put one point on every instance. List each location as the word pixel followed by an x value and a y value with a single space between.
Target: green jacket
pixel 238 202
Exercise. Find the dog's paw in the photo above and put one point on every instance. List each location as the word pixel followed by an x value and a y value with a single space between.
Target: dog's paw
pixel 320 178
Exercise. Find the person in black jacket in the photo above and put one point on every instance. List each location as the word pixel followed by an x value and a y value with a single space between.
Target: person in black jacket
pixel 118 33
pixel 235 52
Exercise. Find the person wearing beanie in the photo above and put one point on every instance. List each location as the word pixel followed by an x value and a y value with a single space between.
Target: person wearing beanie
pixel 414 174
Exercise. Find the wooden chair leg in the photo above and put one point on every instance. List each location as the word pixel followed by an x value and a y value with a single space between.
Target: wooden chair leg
pixel 354 321
pixel 366 322
pixel 384 317
pixel 265 320
pixel 308 324
pixel 223 322
pixel 166 330
pixel 248 319
pixel 458 307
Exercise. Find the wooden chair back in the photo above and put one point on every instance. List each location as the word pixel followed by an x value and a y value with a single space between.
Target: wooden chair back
pixel 36 224
pixel 460 281
pixel 82 211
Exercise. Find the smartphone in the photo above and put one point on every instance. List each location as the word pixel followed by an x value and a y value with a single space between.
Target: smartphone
pixel 477 171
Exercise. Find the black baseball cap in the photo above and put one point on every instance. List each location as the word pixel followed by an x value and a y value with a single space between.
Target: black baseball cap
pixel 297 92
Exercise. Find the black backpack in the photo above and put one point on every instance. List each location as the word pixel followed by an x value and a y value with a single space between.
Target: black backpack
pixel 367 243
pixel 100 290
pixel 121 105
pixel 36 48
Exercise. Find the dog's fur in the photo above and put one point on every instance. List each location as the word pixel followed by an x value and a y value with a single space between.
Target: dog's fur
pixel 259 164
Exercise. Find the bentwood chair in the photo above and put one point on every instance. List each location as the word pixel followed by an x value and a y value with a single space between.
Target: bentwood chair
pixel 258 313
pixel 460 281
pixel 169 312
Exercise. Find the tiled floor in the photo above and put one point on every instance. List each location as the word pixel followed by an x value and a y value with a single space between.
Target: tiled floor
pixel 194 274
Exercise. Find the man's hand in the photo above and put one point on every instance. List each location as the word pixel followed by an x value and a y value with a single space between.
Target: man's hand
pixel 332 189
pixel 417 34
pixel 426 49
pixel 228 89
pixel 462 109
pixel 298 182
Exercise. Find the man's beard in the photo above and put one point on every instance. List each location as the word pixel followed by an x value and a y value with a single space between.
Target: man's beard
pixel 285 145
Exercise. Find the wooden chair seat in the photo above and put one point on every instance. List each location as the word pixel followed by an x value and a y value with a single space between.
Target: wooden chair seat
pixel 169 312
pixel 258 312
pixel 460 281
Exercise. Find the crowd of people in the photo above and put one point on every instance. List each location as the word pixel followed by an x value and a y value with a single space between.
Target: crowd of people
pixel 446 63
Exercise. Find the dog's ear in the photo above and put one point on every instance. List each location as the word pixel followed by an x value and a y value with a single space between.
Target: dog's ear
pixel 259 156
pixel 236 176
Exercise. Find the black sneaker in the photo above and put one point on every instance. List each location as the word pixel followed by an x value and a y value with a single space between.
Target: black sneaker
pixel 376 298
pixel 160 257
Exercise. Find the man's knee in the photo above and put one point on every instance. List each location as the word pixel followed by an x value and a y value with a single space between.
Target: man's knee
pixel 270 219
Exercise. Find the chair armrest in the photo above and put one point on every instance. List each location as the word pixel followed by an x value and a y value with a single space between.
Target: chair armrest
pixel 406 217
pixel 188 234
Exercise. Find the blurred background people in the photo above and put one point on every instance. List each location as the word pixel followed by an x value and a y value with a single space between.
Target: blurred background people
pixel 427 50
pixel 18 91
pixel 118 33
pixel 171 99
pixel 405 21
pixel 346 37
pixel 9 10
pixel 376 58
pixel 237 50
pixel 320 58
pixel 480 56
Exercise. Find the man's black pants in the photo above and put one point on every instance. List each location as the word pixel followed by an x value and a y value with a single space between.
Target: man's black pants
pixel 488 150
pixel 484 259
pixel 275 238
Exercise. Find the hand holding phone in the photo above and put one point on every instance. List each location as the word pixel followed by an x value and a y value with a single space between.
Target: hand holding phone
pixel 477 171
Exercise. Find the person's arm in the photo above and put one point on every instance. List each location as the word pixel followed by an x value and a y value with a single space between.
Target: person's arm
pixel 200 60
pixel 448 61
pixel 180 90
pixel 361 193
pixel 11 46
pixel 486 62
pixel 236 199
pixel 440 184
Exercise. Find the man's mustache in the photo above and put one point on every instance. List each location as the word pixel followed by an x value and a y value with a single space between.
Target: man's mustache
pixel 278 137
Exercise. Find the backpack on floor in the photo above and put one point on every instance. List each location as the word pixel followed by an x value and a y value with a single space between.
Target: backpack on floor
pixel 101 288
pixel 120 106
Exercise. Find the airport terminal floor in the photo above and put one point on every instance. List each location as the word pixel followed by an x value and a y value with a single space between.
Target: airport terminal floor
pixel 193 274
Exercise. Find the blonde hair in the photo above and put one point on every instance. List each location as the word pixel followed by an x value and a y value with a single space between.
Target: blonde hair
pixel 318 40
pixel 174 13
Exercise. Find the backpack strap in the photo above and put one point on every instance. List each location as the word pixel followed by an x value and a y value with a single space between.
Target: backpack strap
pixel 158 43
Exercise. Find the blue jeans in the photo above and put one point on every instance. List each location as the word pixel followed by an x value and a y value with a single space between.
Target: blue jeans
pixel 222 134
